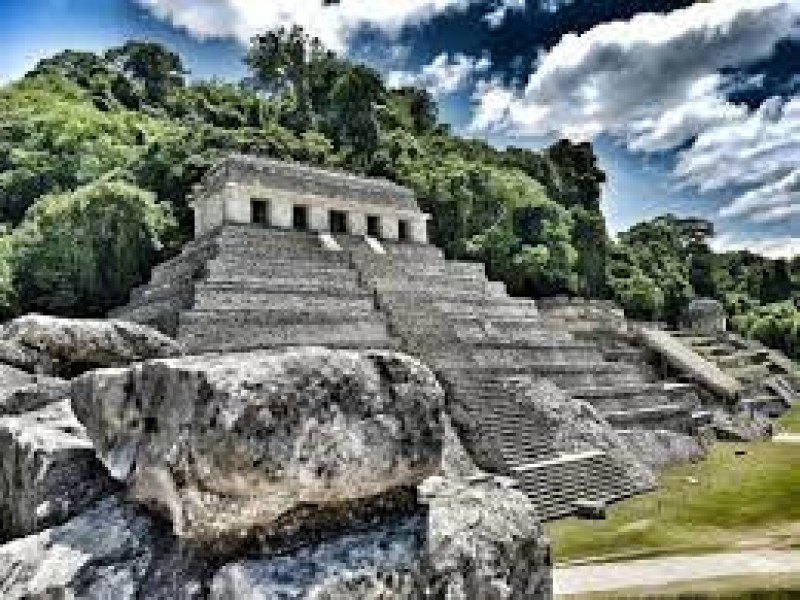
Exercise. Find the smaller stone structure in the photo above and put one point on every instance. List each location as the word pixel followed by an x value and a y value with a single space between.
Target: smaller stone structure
pixel 250 190
pixel 705 315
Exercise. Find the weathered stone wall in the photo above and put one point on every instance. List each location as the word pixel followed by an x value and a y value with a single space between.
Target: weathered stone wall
pixel 225 196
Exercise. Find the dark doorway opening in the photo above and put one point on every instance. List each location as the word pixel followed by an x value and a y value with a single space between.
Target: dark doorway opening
pixel 403 231
pixel 337 221
pixel 300 217
pixel 259 212
pixel 373 226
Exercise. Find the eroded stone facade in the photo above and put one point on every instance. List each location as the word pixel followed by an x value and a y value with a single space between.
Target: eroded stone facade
pixel 248 190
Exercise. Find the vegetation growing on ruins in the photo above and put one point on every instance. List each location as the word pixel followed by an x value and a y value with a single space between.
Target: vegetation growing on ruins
pixel 725 502
pixel 131 122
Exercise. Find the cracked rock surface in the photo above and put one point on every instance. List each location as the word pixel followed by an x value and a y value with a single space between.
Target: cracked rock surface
pixel 228 445
pixel 48 470
pixel 66 347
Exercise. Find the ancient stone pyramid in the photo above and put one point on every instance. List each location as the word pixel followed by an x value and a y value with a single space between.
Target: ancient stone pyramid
pixel 242 285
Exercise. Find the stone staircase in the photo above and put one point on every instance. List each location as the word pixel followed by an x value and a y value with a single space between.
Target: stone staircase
pixel 249 287
pixel 651 403
pixel 767 384
pixel 480 341
pixel 527 449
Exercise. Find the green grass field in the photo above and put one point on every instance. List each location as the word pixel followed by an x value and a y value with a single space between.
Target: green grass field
pixel 790 422
pixel 726 502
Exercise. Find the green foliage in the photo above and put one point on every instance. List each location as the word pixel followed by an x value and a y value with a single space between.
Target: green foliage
pixel 81 252
pixel 776 325
pixel 659 266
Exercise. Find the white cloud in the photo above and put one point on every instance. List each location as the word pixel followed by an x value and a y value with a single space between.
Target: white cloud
pixel 654 84
pixel 333 24
pixel 770 202
pixel 445 75
pixel 776 247
pixel 496 17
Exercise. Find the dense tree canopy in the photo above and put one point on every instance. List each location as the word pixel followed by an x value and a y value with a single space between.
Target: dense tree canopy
pixel 657 267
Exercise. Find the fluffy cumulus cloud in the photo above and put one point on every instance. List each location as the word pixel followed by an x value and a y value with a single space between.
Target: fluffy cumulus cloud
pixel 774 247
pixel 445 75
pixel 655 83
pixel 332 22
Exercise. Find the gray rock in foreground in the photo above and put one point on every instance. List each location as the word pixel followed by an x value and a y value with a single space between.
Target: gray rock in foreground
pixel 475 541
pixel 111 551
pixel 230 445
pixel 66 347
pixel 48 470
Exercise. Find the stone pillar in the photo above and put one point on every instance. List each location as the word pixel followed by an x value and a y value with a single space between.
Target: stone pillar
pixel 237 205
pixel 280 214
pixel 419 231
pixel 318 218
pixel 208 214
pixel 389 228
pixel 357 223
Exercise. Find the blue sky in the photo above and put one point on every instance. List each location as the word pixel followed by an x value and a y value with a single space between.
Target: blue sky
pixel 693 108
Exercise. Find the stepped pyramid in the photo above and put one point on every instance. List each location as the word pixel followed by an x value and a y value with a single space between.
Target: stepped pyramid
pixel 289 255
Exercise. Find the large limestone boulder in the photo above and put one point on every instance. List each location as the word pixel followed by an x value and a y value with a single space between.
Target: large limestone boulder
pixel 67 347
pixel 48 470
pixel 232 445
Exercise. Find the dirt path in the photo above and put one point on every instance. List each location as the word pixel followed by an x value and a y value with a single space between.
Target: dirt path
pixel 675 569
pixel 787 438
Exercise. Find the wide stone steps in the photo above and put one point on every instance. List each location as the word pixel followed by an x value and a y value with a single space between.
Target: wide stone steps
pixel 573 374
pixel 556 352
pixel 442 269
pixel 555 485
pixel 489 309
pixel 433 288
pixel 207 332
pixel 288 286
pixel 265 270
pixel 227 297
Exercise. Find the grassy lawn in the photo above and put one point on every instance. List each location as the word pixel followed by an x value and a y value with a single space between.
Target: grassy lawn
pixel 726 502
pixel 790 422
pixel 757 587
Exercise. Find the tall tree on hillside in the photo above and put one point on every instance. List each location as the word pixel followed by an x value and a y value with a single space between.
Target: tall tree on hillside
pixel 150 65
pixel 286 61
pixel 352 117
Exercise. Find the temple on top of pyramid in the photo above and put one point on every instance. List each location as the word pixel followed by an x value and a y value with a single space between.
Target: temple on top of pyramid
pixel 251 190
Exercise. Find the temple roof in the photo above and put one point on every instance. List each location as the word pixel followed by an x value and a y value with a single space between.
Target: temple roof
pixel 296 177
